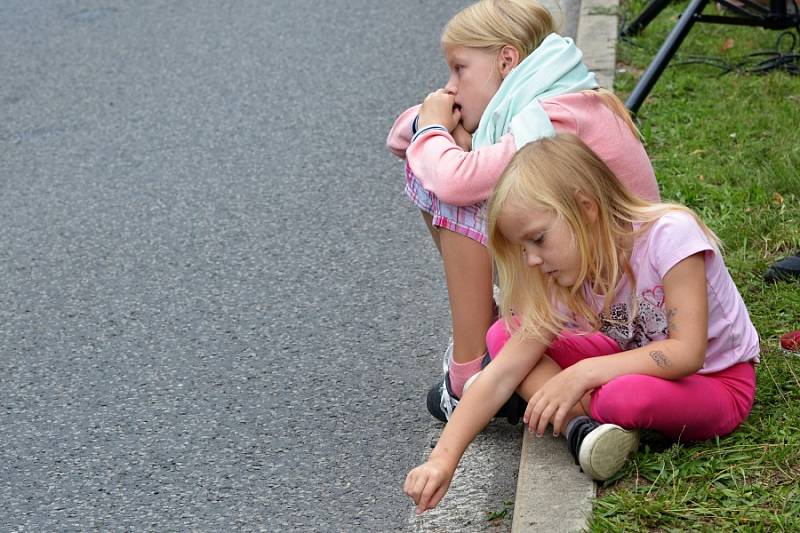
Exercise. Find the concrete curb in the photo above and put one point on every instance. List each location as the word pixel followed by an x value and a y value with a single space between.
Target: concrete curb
pixel 597 38
pixel 552 494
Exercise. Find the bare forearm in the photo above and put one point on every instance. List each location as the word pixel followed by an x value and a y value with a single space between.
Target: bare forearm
pixel 480 403
pixel 474 412
pixel 667 359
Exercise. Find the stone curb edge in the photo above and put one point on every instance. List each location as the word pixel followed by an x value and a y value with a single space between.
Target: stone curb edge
pixel 549 496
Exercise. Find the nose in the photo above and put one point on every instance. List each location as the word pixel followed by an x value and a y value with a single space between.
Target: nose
pixel 452 86
pixel 532 259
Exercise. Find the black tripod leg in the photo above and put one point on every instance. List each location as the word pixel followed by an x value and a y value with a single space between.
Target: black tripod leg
pixel 651 11
pixel 665 53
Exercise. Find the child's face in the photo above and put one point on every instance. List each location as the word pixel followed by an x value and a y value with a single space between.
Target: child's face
pixel 547 242
pixel 474 79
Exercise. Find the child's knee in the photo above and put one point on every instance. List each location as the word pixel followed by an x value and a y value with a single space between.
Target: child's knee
pixel 624 401
pixel 496 338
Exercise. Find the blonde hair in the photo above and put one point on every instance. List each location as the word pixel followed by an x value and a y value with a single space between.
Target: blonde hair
pixel 489 25
pixel 492 24
pixel 558 174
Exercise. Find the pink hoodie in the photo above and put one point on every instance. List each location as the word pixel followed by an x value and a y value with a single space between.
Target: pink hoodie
pixel 465 178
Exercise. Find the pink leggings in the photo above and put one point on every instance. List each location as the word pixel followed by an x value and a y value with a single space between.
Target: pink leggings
pixel 696 407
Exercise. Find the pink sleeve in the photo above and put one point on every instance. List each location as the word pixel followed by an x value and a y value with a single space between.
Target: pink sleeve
pixel 674 237
pixel 583 114
pixel 400 134
pixel 453 175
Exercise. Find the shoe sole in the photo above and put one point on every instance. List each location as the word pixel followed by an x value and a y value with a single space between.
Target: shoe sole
pixel 605 450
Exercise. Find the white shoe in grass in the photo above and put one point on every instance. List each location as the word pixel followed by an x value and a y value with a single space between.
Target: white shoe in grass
pixel 600 449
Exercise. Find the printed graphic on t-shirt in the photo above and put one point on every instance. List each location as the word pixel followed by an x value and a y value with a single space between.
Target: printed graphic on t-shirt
pixel 650 324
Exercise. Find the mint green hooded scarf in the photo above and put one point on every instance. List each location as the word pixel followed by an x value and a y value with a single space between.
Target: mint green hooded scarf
pixel 553 69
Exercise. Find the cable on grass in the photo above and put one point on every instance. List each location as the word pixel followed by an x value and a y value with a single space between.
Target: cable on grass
pixel 785 57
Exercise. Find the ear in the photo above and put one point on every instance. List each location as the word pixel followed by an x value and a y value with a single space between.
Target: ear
pixel 589 207
pixel 508 59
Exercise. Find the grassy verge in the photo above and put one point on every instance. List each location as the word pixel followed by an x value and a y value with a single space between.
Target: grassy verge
pixel 729 147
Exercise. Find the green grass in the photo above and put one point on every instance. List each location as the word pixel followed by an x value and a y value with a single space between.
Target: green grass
pixel 729 147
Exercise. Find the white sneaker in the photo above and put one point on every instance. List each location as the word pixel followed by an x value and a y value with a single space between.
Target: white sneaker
pixel 448 356
pixel 600 449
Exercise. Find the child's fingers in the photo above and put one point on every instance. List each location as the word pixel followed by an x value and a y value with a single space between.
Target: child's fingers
pixel 542 411
pixel 419 491
pixel 536 414
pixel 414 485
pixel 558 420
pixel 426 500
pixel 408 488
pixel 526 417
pixel 437 496
pixel 440 94
pixel 408 484
pixel 544 419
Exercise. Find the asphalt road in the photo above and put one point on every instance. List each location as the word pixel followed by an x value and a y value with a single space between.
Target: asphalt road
pixel 217 309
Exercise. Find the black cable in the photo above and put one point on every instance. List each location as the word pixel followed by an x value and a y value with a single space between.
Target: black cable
pixel 784 58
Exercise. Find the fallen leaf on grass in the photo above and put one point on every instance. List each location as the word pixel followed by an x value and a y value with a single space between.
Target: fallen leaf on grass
pixel 777 198
pixel 701 177
pixel 630 69
pixel 699 151
pixel 727 44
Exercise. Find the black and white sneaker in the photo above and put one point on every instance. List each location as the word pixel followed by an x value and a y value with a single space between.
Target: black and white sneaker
pixel 441 400
pixel 441 403
pixel 600 449
pixel 513 409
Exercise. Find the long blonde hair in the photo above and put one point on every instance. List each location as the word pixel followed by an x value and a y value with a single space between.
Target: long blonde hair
pixel 489 25
pixel 558 174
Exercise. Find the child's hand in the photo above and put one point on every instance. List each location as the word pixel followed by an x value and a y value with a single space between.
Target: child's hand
pixel 438 108
pixel 553 401
pixel 427 484
pixel 462 137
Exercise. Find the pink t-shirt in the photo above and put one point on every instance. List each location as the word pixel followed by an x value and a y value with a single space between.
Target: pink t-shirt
pixel 466 178
pixel 672 238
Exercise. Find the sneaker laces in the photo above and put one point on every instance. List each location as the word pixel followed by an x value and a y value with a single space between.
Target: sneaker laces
pixel 447 402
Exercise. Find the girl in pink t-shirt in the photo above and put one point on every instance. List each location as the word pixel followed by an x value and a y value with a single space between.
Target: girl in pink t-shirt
pixel 512 80
pixel 618 315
